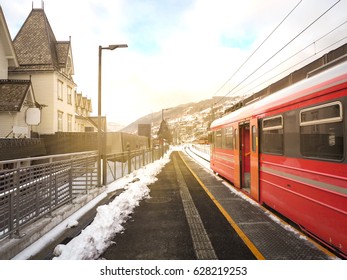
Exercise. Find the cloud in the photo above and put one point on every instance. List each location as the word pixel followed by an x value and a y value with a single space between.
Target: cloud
pixel 179 51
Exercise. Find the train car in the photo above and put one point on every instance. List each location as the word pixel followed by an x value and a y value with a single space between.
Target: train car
pixel 288 151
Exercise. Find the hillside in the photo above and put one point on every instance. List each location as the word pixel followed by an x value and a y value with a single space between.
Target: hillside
pixel 188 122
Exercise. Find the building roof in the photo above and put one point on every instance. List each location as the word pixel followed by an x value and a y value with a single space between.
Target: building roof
pixel 37 47
pixel 13 93
pixel 83 102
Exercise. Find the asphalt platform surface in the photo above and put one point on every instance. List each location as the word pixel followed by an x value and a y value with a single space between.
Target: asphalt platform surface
pixel 160 230
pixel 192 214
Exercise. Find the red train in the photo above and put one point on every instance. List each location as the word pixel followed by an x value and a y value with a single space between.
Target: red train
pixel 288 151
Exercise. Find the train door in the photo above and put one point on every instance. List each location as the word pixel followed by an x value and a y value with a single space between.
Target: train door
pixel 254 150
pixel 245 157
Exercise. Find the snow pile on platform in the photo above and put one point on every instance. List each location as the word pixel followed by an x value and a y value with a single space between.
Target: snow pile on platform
pixel 97 237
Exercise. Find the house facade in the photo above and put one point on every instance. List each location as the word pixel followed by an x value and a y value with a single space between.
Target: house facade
pixel 19 111
pixel 48 63
pixel 17 99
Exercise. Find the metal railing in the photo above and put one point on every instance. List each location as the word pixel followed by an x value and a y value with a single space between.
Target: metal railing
pixel 35 187
pixel 32 188
pixel 121 164
pixel 205 149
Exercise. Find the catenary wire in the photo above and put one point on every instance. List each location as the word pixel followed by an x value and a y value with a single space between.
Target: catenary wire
pixel 290 41
pixel 273 31
pixel 298 63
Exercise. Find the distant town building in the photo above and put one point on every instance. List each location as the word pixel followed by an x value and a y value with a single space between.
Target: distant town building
pixel 144 130
pixel 83 108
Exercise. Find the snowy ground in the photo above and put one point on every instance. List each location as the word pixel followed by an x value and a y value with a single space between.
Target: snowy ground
pixel 109 219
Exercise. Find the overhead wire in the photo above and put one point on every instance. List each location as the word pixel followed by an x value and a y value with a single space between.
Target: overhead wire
pixel 262 43
pixel 273 31
pixel 288 43
pixel 298 63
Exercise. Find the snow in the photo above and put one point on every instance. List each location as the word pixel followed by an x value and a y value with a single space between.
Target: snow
pixel 109 219
pixel 202 158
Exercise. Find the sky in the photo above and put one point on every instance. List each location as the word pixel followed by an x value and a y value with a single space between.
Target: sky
pixel 182 51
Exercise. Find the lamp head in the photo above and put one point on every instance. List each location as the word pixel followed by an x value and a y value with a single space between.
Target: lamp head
pixel 112 47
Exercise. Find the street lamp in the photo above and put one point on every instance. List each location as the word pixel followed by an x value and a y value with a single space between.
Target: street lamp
pixel 110 47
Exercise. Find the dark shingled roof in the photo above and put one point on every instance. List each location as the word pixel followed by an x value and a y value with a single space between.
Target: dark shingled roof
pixel 36 45
pixel 12 94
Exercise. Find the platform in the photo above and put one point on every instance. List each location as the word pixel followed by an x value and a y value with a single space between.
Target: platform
pixel 194 214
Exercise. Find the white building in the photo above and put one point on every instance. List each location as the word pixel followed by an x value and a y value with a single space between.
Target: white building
pixel 48 64
pixel 16 96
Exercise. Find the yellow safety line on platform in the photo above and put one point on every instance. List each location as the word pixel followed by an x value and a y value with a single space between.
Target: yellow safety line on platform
pixel 285 224
pixel 242 235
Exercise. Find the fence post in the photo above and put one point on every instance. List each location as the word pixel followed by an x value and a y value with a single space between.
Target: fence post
pixel 11 214
pixel 70 180
pixel 15 195
pixel 129 163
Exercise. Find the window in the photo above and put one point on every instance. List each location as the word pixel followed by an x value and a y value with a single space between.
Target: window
pixel 321 131
pixel 218 139
pixel 272 135
pixel 69 122
pixel 254 138
pixel 69 95
pixel 229 138
pixel 60 121
pixel 60 90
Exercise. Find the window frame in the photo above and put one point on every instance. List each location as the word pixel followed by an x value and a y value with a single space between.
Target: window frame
pixel 322 121
pixel 317 124
pixel 229 138
pixel 69 122
pixel 60 126
pixel 69 95
pixel 271 128
pixel 60 90
pixel 218 135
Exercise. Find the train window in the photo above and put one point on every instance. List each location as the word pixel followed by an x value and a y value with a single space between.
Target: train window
pixel 254 138
pixel 272 135
pixel 331 112
pixel 321 131
pixel 229 138
pixel 218 139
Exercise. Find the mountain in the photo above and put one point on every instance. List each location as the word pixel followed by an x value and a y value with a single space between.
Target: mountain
pixel 187 122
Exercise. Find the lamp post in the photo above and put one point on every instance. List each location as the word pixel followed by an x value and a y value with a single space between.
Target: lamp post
pixel 100 150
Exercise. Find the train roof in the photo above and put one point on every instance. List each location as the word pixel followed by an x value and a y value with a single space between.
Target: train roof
pixel 331 77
